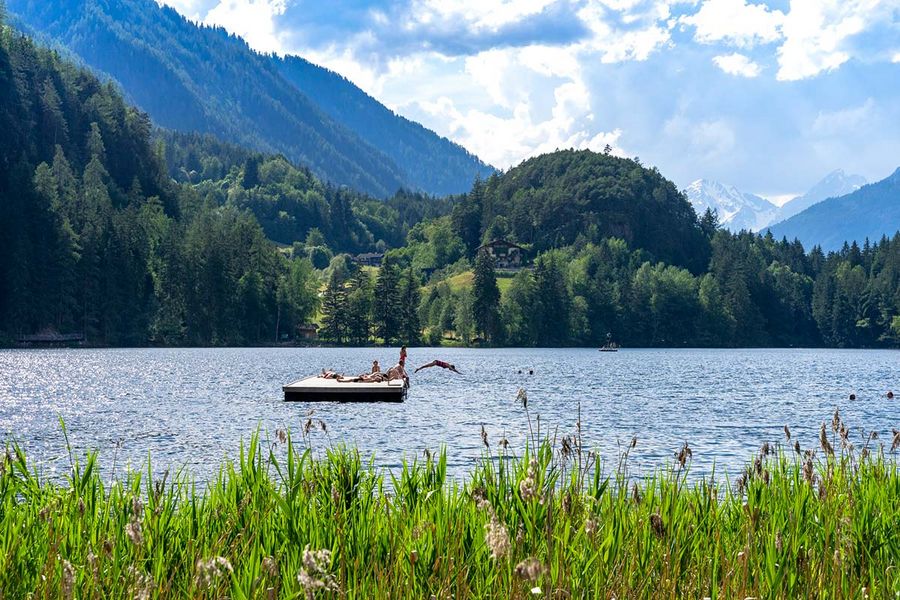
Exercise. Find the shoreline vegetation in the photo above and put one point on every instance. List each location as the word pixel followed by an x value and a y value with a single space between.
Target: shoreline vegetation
pixel 286 520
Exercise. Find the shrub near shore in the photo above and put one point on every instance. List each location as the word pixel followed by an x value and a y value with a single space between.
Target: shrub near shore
pixel 282 522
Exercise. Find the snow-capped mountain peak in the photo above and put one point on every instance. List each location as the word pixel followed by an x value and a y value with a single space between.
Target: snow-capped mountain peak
pixel 737 210
pixel 835 184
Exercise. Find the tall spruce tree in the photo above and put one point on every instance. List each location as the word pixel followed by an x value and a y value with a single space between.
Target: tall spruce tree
pixel 334 311
pixel 387 309
pixel 359 308
pixel 410 327
pixel 486 298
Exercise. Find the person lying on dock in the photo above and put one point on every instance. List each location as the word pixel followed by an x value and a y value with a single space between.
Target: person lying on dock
pixel 365 378
pixel 330 374
pixel 438 363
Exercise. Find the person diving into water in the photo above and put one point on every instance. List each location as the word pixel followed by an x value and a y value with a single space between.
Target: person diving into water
pixel 438 363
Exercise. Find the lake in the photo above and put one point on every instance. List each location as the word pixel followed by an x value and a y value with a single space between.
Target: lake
pixel 192 407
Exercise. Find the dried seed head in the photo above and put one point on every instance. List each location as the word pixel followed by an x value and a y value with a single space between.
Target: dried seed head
pixel 210 570
pixel 684 455
pixel 823 440
pixel 529 569
pixel 635 493
pixel 137 507
pixel 633 441
pixel 141 584
pixel 67 583
pixel 779 542
pixel 896 443
pixel 484 437
pixel 522 396
pixel 797 446
pixel 270 567
pixel 590 527
pixel 836 419
pixel 787 433
pixel 496 537
pixel 281 434
pixel 315 572
pixel 528 486
pixel 134 533
pixel 656 523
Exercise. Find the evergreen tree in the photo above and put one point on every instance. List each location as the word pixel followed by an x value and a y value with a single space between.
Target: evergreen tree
pixel 335 322
pixel 387 310
pixel 486 298
pixel 359 308
pixel 410 328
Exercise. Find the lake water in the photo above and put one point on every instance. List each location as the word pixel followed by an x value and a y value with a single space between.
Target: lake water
pixel 192 407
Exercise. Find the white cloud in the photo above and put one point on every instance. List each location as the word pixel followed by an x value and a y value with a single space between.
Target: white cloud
pixel 735 22
pixel 709 140
pixel 479 14
pixel 737 64
pixel 254 20
pixel 644 35
pixel 896 57
pixel 847 121
pixel 819 34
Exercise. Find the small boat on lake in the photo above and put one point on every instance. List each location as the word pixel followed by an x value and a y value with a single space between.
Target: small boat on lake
pixel 321 389
pixel 609 346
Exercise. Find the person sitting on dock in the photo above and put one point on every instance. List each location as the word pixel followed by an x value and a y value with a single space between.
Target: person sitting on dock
pixel 438 363
pixel 398 371
pixel 376 368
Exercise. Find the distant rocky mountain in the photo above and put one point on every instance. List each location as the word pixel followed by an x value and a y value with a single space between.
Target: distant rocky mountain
pixel 835 184
pixel 870 212
pixel 195 78
pixel 737 210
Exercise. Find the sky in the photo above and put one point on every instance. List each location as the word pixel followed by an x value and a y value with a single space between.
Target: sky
pixel 767 96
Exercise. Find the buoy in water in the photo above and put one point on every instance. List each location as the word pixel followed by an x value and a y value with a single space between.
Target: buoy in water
pixel 890 395
pixel 853 396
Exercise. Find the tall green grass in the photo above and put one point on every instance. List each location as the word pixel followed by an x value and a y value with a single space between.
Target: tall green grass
pixel 283 522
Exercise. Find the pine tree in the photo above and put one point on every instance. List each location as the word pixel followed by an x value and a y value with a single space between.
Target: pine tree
pixel 334 311
pixel 410 327
pixel 359 308
pixel 486 298
pixel 387 308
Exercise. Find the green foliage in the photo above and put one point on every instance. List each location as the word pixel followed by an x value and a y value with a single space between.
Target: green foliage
pixel 97 238
pixel 290 202
pixel 287 519
pixel 573 197
pixel 486 298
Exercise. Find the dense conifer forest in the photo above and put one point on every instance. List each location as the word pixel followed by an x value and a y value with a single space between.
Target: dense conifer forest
pixel 137 236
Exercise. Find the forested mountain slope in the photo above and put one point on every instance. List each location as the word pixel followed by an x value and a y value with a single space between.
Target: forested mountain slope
pixel 557 199
pixel 195 78
pixel 428 161
pixel 290 201
pixel 870 212
pixel 96 238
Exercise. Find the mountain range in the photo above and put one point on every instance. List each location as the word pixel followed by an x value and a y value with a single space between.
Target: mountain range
pixel 190 77
pixel 739 210
pixel 870 212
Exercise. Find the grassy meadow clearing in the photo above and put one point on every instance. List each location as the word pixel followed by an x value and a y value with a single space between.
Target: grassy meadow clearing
pixel 286 520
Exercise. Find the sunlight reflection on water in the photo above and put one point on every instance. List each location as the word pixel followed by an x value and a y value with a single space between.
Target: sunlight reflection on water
pixel 191 407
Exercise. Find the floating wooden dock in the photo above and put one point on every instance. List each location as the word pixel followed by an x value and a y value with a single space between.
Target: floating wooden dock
pixel 319 389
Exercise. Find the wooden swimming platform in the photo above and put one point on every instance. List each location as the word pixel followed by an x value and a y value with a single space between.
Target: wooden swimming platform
pixel 319 389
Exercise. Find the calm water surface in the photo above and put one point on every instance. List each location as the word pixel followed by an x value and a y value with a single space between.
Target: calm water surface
pixel 191 407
